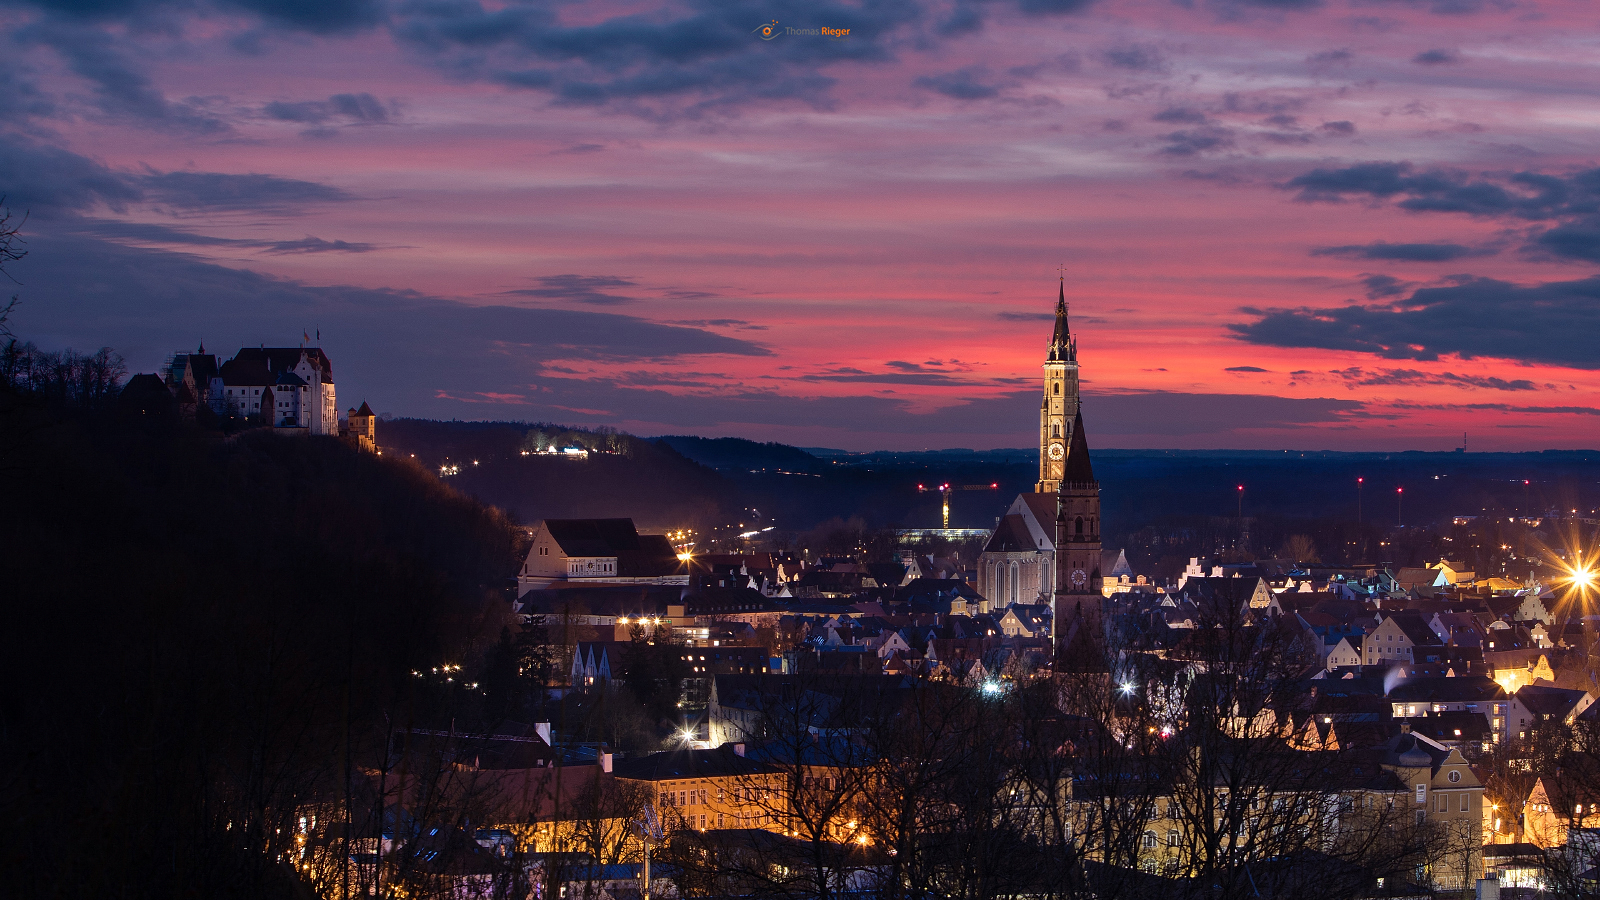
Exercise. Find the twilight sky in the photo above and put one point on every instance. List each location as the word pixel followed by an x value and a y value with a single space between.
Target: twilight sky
pixel 1345 224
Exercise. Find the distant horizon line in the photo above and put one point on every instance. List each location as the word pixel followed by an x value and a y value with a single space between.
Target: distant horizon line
pixel 836 451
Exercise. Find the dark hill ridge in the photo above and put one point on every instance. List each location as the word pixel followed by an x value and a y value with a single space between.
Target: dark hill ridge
pixel 738 454
pixel 679 481
pixel 202 632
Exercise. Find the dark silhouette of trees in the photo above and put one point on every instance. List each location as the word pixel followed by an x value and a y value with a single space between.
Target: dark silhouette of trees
pixel 204 635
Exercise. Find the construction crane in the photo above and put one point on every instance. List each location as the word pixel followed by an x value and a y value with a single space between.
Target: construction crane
pixel 947 487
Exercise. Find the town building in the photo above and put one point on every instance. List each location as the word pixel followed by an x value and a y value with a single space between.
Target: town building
pixel 597 551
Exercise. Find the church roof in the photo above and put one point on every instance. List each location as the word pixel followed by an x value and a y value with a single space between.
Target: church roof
pixel 1010 536
pixel 365 410
pixel 1078 469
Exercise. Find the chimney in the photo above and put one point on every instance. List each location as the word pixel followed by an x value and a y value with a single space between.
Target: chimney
pixel 605 762
pixel 542 729
pixel 738 749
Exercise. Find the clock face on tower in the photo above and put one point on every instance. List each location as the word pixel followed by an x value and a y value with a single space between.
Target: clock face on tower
pixel 1079 578
pixel 1056 452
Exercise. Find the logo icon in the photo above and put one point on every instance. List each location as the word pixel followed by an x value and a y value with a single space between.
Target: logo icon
pixel 768 32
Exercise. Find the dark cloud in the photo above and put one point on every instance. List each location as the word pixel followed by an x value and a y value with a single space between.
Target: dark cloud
pixel 962 84
pixel 695 58
pixel 1379 286
pixel 146 232
pixel 1176 413
pixel 1330 57
pixel 579 289
pixel 1137 58
pixel 1436 57
pixel 740 324
pixel 362 108
pixel 1182 115
pixel 1244 369
pixel 309 244
pixel 937 379
pixel 318 16
pixel 1340 127
pixel 1503 407
pixel 60 182
pixel 400 348
pixel 1026 316
pixel 1358 377
pixel 1052 7
pixel 1276 4
pixel 1578 239
pixel 1552 324
pixel 1441 252
pixel 121 89
pixel 1195 141
pixel 1573 199
pixel 218 192
pixel 964 18
pixel 1530 195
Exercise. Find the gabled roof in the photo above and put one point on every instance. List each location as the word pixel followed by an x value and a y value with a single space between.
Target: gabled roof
pixel 1010 536
pixel 244 372
pixel 637 554
pixel 1460 688
pixel 1415 627
pixel 365 410
pixel 283 359
pixel 1549 701
pixel 670 765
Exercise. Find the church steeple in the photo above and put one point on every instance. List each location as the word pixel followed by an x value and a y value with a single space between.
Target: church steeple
pixel 1079 585
pixel 1062 347
pixel 1078 469
pixel 1059 405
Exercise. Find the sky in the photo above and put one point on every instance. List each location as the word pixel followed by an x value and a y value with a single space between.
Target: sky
pixel 1307 224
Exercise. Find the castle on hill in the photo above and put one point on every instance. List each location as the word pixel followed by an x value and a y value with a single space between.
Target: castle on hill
pixel 289 389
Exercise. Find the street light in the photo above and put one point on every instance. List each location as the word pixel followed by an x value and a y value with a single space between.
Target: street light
pixel 1399 495
pixel 1241 501
pixel 1359 483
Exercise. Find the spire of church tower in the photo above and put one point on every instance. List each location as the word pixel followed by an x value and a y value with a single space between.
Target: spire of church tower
pixel 1078 470
pixel 1059 404
pixel 1062 348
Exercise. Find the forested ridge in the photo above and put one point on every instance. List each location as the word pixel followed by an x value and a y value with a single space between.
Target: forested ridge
pixel 203 631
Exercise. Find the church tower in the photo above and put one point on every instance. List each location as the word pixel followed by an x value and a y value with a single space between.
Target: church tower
pixel 1078 578
pixel 1059 408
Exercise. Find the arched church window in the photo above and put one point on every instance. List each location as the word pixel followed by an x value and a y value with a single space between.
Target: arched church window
pixel 1057 388
pixel 1055 431
pixel 1078 526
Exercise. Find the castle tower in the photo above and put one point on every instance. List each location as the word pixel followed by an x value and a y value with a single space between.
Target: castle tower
pixel 1059 408
pixel 1078 579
